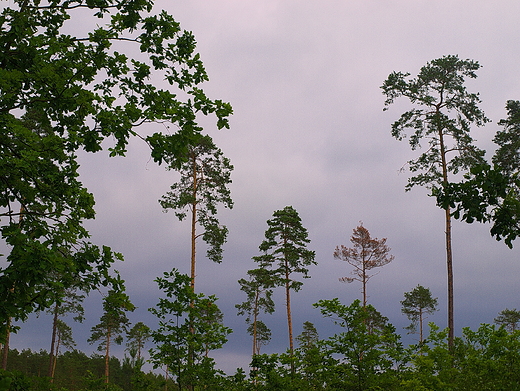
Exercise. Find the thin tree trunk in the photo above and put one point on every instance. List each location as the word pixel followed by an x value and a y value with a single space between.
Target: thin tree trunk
pixel 289 317
pixel 449 254
pixel 420 326
pixel 255 317
pixel 55 359
pixel 53 342
pixel 449 259
pixel 191 353
pixel 107 357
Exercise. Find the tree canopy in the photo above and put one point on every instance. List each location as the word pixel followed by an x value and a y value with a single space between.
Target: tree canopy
pixel 65 89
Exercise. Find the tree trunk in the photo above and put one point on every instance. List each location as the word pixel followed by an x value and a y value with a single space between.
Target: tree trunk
pixel 107 356
pixel 191 353
pixel 55 359
pixel 449 255
pixel 420 326
pixel 255 317
pixel 289 317
pixel 53 342
pixel 449 259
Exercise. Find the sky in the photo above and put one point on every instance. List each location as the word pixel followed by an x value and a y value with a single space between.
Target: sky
pixel 309 130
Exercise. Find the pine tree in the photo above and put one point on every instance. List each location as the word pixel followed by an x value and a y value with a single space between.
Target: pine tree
pixel 285 254
pixel 366 254
pixel 416 305
pixel 203 185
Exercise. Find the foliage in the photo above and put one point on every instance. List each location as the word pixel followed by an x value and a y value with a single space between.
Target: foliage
pixel 63 91
pixel 136 339
pixel 113 323
pixel 367 254
pixel 77 372
pixel 509 319
pixel 186 332
pixel 443 109
pixel 416 305
pixel 285 253
pixel 371 354
pixel 490 192
pixel 259 298
pixel 485 359
pixel 442 115
pixel 202 186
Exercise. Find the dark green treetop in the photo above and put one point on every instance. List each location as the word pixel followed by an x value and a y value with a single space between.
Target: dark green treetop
pixel 416 305
pixel 285 253
pixel 442 114
pixel 509 319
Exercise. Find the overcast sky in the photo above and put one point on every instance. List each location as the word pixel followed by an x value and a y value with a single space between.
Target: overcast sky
pixel 308 130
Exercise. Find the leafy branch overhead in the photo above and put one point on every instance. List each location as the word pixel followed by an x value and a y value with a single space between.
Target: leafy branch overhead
pixel 133 73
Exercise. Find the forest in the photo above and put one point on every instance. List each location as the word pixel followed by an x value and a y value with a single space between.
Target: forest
pixel 65 93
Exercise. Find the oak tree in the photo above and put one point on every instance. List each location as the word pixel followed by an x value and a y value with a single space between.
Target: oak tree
pixel 187 330
pixel 490 192
pixel 64 90
pixel 441 117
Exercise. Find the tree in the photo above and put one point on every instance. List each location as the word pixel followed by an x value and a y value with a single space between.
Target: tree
pixel 491 192
pixel 309 336
pixel 416 304
pixel 367 254
pixel 113 323
pixel 184 334
pixel 63 338
pixel 443 114
pixel 71 303
pixel 62 91
pixel 369 356
pixel 261 335
pixel 509 319
pixel 202 186
pixel 259 298
pixel 136 339
pixel 285 253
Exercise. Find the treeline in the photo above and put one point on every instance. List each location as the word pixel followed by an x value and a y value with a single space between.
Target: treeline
pixel 366 354
pixel 27 370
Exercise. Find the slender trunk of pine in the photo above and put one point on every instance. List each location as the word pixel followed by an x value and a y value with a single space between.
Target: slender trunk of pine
pixel 55 358
pixel 364 284
pixel 53 342
pixel 193 221
pixel 449 255
pixel 107 356
pixel 420 326
pixel 191 353
pixel 255 317
pixel 449 258
pixel 289 317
